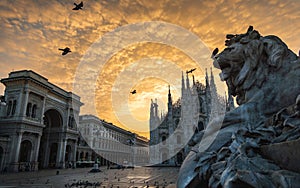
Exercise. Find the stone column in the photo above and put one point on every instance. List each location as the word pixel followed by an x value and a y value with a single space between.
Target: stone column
pixel 74 154
pixel 37 148
pixel 68 115
pixel 60 159
pixel 25 103
pixel 15 151
pixel 43 109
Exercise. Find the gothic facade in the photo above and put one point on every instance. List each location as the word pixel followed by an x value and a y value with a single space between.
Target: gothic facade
pixel 170 133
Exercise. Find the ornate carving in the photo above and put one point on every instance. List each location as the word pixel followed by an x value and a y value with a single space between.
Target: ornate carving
pixel 264 76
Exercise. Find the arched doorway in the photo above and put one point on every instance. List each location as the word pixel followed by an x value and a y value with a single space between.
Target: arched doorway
pixel 25 151
pixel 25 155
pixel 81 156
pixel 86 156
pixel 49 141
pixel 53 154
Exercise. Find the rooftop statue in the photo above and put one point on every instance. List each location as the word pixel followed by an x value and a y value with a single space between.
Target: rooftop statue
pixel 264 76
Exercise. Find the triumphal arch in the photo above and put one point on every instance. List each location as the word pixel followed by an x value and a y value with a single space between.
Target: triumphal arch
pixel 38 126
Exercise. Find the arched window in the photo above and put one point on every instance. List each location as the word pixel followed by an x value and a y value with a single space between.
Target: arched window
pixel 70 123
pixel 14 107
pixel 201 105
pixel 28 109
pixel 72 120
pixel 33 115
pixel 178 139
pixel 9 108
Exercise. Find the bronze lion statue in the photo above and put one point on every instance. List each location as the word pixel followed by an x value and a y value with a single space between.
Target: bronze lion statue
pixel 264 76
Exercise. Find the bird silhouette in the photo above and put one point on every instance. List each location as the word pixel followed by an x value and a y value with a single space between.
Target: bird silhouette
pixel 65 50
pixel 78 6
pixel 215 52
pixel 133 92
pixel 190 71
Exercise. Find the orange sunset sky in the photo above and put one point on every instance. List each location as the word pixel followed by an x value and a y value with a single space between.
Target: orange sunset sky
pixel 121 45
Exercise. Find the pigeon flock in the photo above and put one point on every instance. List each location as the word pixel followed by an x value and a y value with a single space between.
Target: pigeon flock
pixel 66 50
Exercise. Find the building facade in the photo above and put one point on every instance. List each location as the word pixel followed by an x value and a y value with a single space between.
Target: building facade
pixel 105 142
pixel 170 133
pixel 37 123
pixel 40 127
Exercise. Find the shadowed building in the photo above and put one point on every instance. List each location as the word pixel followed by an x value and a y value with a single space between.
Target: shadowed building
pixel 37 124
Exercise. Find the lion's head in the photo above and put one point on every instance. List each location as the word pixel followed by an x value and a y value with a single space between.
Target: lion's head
pixel 248 60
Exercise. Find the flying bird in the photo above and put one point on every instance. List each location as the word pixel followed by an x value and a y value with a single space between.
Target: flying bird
pixel 250 28
pixel 133 92
pixel 65 50
pixel 215 52
pixel 78 6
pixel 190 71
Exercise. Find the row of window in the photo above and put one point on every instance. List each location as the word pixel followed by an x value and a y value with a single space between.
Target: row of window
pixel 31 110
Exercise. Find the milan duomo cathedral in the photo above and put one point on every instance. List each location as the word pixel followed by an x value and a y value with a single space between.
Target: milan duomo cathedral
pixel 170 133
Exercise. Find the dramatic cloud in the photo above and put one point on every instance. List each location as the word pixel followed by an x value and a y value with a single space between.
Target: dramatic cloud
pixel 33 30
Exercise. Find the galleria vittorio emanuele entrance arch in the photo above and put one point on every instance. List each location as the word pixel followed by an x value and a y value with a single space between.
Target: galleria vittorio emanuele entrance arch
pixel 37 123
pixel 50 139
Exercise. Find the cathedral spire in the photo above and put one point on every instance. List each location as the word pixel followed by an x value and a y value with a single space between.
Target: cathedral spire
pixel 206 78
pixel 194 80
pixel 151 109
pixel 187 81
pixel 156 109
pixel 170 113
pixel 169 97
pixel 182 83
pixel 213 87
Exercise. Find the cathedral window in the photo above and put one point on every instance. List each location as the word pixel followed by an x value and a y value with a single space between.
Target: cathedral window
pixel 201 106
